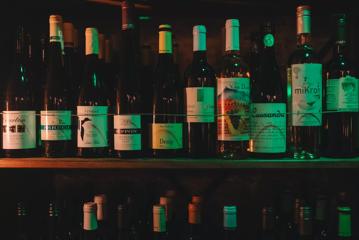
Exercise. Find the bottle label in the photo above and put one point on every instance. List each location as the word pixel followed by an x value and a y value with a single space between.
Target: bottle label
pixel 19 129
pixel 306 94
pixel 127 132
pixel 268 128
pixel 200 104
pixel 233 109
pixel 342 94
pixel 92 128
pixel 166 135
pixel 55 125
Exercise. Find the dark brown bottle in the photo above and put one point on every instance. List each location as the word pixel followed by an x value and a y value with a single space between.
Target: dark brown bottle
pixel 268 105
pixel 341 123
pixel 93 105
pixel 128 134
pixel 166 127
pixel 56 111
pixel 19 120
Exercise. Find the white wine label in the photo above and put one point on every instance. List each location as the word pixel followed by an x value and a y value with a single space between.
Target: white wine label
pixel 167 136
pixel 233 109
pixel 92 128
pixel 268 128
pixel 200 104
pixel 306 94
pixel 55 125
pixel 343 94
pixel 127 132
pixel 19 130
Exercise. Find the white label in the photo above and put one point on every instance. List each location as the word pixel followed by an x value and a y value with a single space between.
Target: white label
pixel 200 104
pixel 342 94
pixel 127 132
pixel 233 109
pixel 306 94
pixel 167 136
pixel 268 128
pixel 19 130
pixel 55 125
pixel 92 128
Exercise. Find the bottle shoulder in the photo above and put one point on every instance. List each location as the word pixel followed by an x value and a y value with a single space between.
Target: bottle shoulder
pixel 232 65
pixel 303 55
pixel 199 74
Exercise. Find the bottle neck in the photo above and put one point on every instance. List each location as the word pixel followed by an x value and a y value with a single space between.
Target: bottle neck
pixel 200 56
pixel 340 49
pixel 55 54
pixel 90 221
pixel 304 40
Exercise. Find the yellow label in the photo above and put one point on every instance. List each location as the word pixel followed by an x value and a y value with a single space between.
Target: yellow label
pixel 167 136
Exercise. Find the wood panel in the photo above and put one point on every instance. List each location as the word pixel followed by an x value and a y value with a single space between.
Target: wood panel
pixel 113 163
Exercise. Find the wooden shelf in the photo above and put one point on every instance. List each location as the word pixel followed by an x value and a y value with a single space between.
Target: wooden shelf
pixel 113 163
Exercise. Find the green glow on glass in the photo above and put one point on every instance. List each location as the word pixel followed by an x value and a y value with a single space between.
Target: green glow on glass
pixel 307 55
pixel 94 79
pixel 345 228
pixel 144 17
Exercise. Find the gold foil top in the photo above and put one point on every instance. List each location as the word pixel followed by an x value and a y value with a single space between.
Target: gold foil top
pixel 303 19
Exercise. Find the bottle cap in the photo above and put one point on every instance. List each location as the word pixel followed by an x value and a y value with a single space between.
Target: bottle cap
pixel 232 34
pixel 56 31
pixel 92 41
pixel 303 19
pixel 159 218
pixel 101 201
pixel 68 34
pixel 90 207
pixel 90 221
pixel 199 38
pixel 230 216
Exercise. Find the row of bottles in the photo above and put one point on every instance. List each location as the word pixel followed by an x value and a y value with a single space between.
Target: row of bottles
pixel 246 107
pixel 294 219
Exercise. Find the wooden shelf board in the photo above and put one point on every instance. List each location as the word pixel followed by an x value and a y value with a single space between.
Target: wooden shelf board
pixel 113 163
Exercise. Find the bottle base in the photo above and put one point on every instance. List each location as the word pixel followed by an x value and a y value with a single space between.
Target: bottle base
pixel 304 155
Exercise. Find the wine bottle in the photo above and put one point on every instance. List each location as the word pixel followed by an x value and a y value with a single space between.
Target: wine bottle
pixel 344 223
pixel 102 218
pixel 304 92
pixel 194 222
pixel 56 110
pixel 54 227
pixel 321 222
pixel 90 226
pixel 233 96
pixel 92 105
pixel 268 105
pixel 22 226
pixel 268 231
pixel 127 121
pixel 200 110
pixel 159 223
pixel 341 123
pixel 19 112
pixel 230 223
pixel 306 223
pixel 166 127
